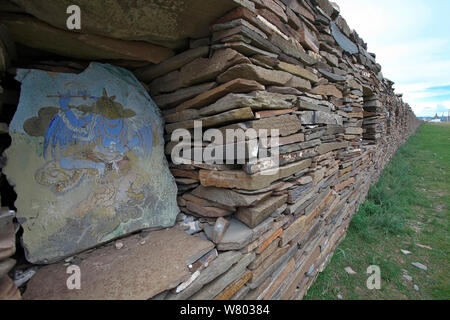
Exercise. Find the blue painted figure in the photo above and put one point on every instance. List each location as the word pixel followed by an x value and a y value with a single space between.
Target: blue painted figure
pixel 91 137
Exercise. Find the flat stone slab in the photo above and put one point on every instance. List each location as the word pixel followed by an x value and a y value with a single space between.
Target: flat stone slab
pixel 87 161
pixel 141 269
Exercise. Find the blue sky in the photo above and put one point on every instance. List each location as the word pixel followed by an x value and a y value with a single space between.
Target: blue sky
pixel 411 39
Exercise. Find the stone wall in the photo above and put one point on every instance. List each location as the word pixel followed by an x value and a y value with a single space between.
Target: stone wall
pixel 247 231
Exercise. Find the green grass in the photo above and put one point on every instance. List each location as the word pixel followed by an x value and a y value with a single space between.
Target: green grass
pixel 409 205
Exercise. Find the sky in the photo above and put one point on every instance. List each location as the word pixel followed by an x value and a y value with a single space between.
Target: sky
pixel 411 39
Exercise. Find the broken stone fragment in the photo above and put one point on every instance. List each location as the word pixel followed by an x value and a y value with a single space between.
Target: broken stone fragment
pixel 264 76
pixel 216 268
pixel 220 228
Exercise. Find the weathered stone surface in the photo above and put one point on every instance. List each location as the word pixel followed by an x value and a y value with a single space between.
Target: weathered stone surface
pixel 276 283
pixel 167 22
pixel 233 288
pixel 228 197
pixel 328 90
pixel 306 105
pixel 5 266
pixel 87 170
pixel 219 266
pixel 219 119
pixel 256 100
pixel 211 290
pixel 136 271
pixel 344 184
pixel 241 180
pixel 205 211
pixel 292 231
pixel 320 117
pixel 147 74
pixel 237 236
pixel 260 258
pixel 244 48
pixel 353 130
pixel 298 71
pixel 166 101
pixel 273 113
pixel 35 34
pixel 198 71
pixel 264 76
pixel 257 37
pixel 220 228
pixel 234 86
pixel 252 216
pixel 332 76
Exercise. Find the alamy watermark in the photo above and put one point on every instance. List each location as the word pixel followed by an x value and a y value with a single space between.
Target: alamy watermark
pixel 73 282
pixel 73 22
pixel 374 280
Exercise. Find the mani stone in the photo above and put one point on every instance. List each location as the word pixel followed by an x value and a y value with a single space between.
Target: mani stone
pixel 141 269
pixel 87 161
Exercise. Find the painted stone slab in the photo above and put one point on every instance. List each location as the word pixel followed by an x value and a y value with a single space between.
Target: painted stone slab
pixel 87 161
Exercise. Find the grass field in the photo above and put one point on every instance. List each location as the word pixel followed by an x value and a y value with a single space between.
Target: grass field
pixel 409 205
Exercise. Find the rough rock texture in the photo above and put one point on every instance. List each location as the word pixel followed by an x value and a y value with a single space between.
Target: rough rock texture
pixel 88 163
pixel 142 268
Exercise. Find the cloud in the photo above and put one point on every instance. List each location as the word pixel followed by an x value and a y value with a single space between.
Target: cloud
pixel 410 39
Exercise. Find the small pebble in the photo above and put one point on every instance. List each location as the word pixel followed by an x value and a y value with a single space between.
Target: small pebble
pixel 142 242
pixel 339 296
pixel 416 287
pixel 350 270
pixel 119 245
pixel 405 252
pixel 420 266
pixel 407 277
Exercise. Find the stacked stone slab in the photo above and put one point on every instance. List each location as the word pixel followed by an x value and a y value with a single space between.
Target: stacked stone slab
pixel 255 232
pixel 297 67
